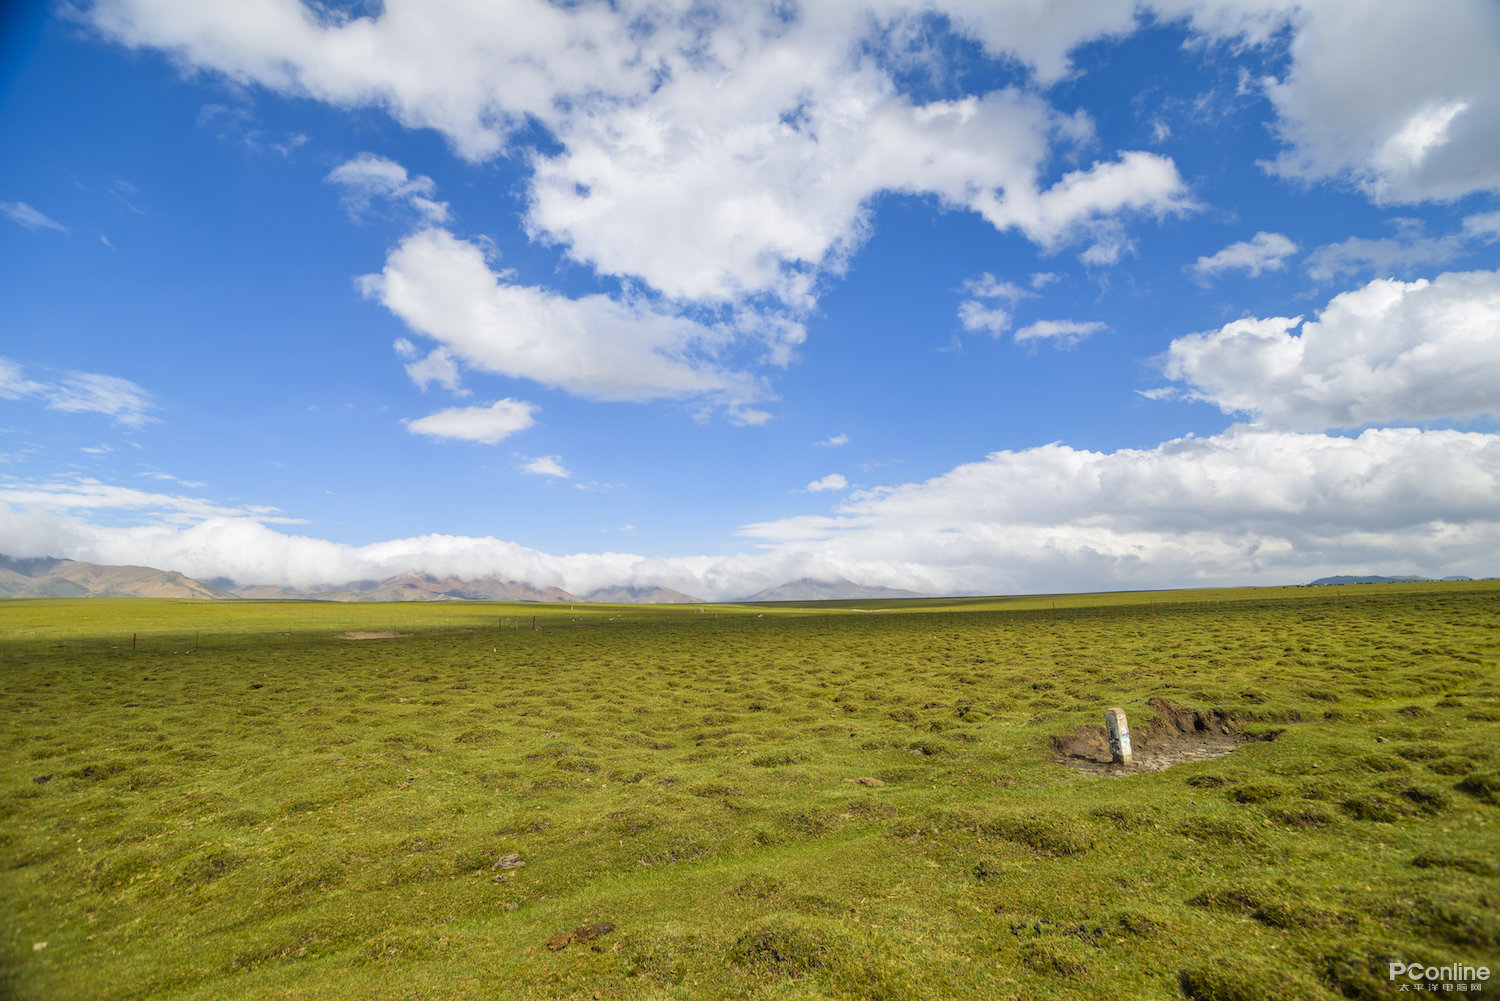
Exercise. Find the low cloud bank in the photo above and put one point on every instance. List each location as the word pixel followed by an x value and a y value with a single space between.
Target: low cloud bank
pixel 1249 506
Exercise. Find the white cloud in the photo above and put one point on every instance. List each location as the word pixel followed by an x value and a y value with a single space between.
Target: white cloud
pixel 14 384
pixel 438 366
pixel 834 441
pixel 86 494
pixel 595 346
pixel 833 481
pixel 486 425
pixel 976 316
pixel 1402 98
pixel 547 465
pixel 121 400
pixel 89 392
pixel 152 474
pixel 24 215
pixel 1063 332
pixel 1262 252
pixel 238 124
pixel 987 286
pixel 1249 506
pixel 369 176
pixel 1246 506
pixel 714 153
pixel 1409 250
pixel 1485 226
pixel 1137 182
pixel 1390 351
pixel 1109 245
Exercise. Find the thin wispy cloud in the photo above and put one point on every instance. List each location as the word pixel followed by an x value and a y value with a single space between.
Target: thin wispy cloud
pixel 121 400
pixel 24 215
pixel 1062 333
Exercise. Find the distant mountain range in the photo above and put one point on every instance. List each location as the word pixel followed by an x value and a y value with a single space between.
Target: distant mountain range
pixel 1371 579
pixel 50 578
pixel 808 589
pixel 60 578
pixel 57 578
pixel 415 586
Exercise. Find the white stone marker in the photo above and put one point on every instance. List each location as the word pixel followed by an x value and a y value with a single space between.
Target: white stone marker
pixel 1119 735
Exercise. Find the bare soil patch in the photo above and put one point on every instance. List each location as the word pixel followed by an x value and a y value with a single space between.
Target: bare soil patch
pixel 1172 734
pixel 387 635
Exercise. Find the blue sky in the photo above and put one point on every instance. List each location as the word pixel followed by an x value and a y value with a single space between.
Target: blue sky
pixel 955 297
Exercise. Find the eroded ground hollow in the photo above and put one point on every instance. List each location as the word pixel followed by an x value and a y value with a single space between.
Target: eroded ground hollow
pixel 1165 735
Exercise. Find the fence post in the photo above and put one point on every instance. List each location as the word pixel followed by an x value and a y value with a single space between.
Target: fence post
pixel 1119 735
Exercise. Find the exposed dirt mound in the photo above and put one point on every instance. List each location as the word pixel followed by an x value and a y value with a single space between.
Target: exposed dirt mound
pixel 386 635
pixel 1171 734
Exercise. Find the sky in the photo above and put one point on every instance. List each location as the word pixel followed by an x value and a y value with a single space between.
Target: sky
pixel 959 297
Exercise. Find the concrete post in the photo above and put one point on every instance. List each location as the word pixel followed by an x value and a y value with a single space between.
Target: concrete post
pixel 1119 735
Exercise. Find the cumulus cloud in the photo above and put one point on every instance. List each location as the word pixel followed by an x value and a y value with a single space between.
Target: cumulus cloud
pixel 1387 352
pixel 833 481
pixel 1403 99
pixel 24 215
pixel 595 346
pixel 121 400
pixel 1249 506
pixel 1064 333
pixel 713 153
pixel 1262 252
pixel 486 425
pixel 834 441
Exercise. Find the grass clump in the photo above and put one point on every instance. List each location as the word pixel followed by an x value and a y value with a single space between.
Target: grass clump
pixel 1483 786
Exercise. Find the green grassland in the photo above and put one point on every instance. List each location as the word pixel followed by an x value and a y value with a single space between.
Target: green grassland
pixel 209 800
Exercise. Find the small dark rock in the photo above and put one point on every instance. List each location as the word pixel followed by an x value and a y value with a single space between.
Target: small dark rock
pixel 41 779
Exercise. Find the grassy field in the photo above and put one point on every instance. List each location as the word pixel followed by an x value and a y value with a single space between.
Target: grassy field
pixel 231 800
